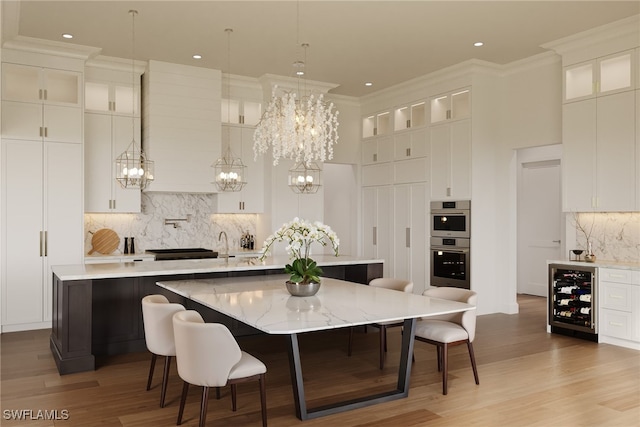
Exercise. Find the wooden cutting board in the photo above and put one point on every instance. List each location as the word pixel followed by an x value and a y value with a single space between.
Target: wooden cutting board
pixel 104 241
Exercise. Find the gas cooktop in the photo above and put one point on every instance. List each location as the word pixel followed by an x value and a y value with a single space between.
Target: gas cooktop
pixel 182 253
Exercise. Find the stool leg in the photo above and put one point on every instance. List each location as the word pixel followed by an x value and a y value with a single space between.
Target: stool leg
pixel 233 397
pixel 473 362
pixel 383 344
pixel 263 399
pixel 183 399
pixel 165 379
pixel 151 368
pixel 445 367
pixel 203 406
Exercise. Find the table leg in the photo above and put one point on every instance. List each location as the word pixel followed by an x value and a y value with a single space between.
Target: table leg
pixel 401 390
pixel 295 368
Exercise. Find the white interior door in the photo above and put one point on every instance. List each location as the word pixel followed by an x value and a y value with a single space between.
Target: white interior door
pixel 539 224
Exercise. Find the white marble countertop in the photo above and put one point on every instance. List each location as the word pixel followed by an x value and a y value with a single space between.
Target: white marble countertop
pixel 190 266
pixel 264 303
pixel 600 263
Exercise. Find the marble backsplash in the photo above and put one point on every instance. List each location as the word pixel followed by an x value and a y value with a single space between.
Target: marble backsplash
pixel 614 235
pixel 150 232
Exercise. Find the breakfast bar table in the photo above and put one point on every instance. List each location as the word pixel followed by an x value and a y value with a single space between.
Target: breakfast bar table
pixel 264 303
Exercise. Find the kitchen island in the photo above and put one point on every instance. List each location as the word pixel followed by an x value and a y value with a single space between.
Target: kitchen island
pixel 97 307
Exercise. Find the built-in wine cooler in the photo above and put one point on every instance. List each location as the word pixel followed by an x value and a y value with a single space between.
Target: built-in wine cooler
pixel 572 301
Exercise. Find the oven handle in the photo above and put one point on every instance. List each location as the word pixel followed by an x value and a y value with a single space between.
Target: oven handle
pixel 445 212
pixel 448 249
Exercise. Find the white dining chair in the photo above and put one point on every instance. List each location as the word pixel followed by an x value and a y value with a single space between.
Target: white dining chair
pixel 208 355
pixel 387 283
pixel 451 329
pixel 157 317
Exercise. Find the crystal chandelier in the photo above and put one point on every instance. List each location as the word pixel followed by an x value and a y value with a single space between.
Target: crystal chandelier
pixel 229 170
pixel 302 128
pixel 305 178
pixel 133 168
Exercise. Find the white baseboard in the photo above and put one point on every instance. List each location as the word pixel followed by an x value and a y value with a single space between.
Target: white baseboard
pixel 25 327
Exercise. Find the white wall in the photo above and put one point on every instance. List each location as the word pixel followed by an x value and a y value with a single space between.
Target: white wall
pixel 341 205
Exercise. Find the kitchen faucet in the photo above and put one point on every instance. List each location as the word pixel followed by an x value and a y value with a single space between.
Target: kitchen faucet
pixel 226 244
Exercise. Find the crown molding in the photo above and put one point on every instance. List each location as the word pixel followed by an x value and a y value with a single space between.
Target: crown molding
pixel 68 50
pixel 628 27
pixel 116 64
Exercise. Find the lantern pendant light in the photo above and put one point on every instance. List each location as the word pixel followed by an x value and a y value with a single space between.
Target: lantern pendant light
pixel 133 169
pixel 229 170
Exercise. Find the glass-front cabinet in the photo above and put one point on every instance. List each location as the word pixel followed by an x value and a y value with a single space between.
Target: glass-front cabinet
pixel 27 83
pixel 454 105
pixel 376 124
pixel 601 76
pixel 241 112
pixel 410 116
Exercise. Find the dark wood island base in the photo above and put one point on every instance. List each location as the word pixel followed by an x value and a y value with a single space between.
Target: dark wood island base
pixel 103 316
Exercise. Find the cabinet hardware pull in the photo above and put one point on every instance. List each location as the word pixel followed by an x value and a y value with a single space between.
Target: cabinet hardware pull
pixel 46 132
pixel 408 152
pixel 45 94
pixel 408 123
pixel 41 243
pixel 556 241
pixel 41 133
pixel 114 203
pixel 40 94
pixel 375 131
pixel 241 120
pixel 46 243
pixel 110 204
pixel 615 324
pixel 448 191
pixel 375 235
pixel 375 157
pixel 408 237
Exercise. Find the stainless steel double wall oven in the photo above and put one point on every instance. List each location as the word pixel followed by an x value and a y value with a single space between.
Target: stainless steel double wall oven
pixel 451 243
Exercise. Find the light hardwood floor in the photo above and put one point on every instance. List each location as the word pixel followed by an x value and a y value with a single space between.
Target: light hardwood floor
pixel 527 378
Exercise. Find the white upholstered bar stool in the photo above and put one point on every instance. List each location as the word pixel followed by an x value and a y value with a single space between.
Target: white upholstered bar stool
pixel 208 355
pixel 450 329
pixel 387 283
pixel 157 316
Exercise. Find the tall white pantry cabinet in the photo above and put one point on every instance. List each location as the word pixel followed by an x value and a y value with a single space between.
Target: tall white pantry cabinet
pixel 41 181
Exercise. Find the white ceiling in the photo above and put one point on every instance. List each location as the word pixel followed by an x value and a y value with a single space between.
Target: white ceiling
pixel 351 42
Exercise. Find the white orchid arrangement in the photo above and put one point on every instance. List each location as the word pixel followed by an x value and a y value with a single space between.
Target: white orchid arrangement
pixel 300 235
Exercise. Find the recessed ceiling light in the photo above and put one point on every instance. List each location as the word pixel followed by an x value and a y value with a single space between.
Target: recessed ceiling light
pixel 196 56
pixel 368 84
pixel 67 36
pixel 478 44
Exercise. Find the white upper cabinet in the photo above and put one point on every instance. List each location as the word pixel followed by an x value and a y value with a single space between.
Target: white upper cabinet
pixel 410 145
pixel 601 76
pixel 251 198
pixel 41 104
pixel 377 150
pixel 241 112
pixel 410 116
pixel 455 105
pixel 599 164
pixel 111 97
pixel 451 160
pixel 376 124
pixel 27 83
